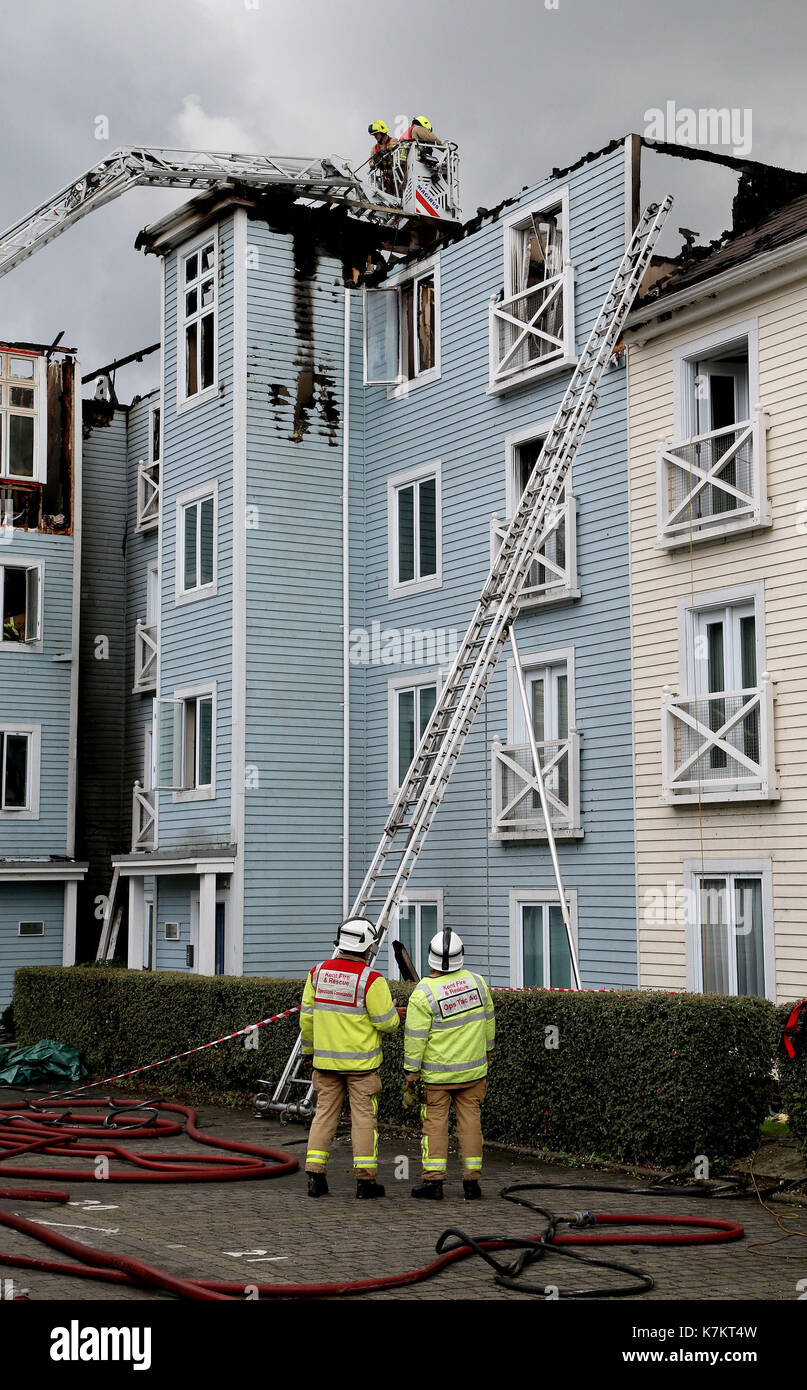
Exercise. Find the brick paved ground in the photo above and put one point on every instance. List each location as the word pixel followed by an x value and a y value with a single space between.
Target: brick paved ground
pixel 201 1229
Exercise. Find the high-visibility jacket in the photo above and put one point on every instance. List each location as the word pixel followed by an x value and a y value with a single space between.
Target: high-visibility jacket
pixel 346 1007
pixel 450 1028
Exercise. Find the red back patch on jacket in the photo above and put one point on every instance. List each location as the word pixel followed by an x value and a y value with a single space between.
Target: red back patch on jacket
pixel 337 982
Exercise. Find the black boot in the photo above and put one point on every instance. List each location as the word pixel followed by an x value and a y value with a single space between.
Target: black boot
pixel 471 1189
pixel 430 1191
pixel 317 1185
pixel 368 1187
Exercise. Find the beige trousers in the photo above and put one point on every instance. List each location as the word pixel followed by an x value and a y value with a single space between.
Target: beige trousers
pixel 363 1088
pixel 434 1121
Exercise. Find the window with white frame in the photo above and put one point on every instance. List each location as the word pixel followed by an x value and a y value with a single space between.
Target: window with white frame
pixel 539 947
pixel 553 577
pixel 148 478
pixel 532 321
pixel 517 812
pixel 31 929
pixel 418 918
pixel 198 301
pixel 718 731
pixel 730 927
pixel 196 544
pixel 196 741
pixel 712 477
pixel 410 704
pixel 19 771
pixel 20 603
pixel 401 329
pixel 23 439
pixel 414 527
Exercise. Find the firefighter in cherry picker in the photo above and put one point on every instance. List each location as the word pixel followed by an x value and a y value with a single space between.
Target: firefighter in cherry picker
pixel 381 155
pixel 346 1008
pixel 449 1037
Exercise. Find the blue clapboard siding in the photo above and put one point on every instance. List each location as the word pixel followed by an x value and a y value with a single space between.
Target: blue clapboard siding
pixel 293 817
pixel 173 898
pixel 196 638
pixel 28 902
pixel 455 421
pixel 35 689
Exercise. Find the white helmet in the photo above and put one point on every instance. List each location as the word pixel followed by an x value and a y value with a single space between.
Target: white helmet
pixel 355 935
pixel 446 951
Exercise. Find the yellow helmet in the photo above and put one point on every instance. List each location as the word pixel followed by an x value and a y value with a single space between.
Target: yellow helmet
pixel 378 128
pixel 422 120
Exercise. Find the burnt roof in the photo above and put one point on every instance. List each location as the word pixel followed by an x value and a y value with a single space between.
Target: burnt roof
pixel 784 225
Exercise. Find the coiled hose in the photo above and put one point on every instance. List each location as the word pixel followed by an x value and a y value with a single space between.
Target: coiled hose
pixel 27 1129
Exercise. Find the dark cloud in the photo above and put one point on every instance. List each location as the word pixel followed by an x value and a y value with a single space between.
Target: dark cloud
pixel 522 87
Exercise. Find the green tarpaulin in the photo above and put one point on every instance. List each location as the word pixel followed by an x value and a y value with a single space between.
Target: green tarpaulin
pixel 45 1061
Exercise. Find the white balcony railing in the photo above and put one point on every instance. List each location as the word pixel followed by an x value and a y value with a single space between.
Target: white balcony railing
pixel 713 484
pixel 532 331
pixel 144 818
pixel 718 747
pixel 517 813
pixel 146 648
pixel 148 495
pixel 553 577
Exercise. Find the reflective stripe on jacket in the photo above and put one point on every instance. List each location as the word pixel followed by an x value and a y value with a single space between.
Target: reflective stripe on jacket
pixel 450 1028
pixel 346 1007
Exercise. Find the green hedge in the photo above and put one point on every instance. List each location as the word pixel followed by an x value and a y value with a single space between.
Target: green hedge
pixel 637 1077
pixel 793 1080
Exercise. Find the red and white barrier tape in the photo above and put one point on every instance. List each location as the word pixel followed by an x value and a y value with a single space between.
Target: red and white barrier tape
pixel 177 1057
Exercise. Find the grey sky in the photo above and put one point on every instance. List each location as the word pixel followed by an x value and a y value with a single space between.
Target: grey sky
pixel 520 87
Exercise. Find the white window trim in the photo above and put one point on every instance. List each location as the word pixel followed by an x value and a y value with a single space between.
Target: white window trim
pixel 553 656
pixel 34 732
pixel 398 480
pixel 684 358
pixel 185 403
pixel 511 442
pixel 717 598
pixel 394 685
pixel 190 692
pixel 195 494
pixel 31 922
pixel 557 197
pixel 178 936
pixel 40 418
pixel 26 562
pixel 433 896
pixel 718 867
pixel 525 897
pixel 429 266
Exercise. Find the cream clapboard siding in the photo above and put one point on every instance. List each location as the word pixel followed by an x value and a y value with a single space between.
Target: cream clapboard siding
pixel 666 836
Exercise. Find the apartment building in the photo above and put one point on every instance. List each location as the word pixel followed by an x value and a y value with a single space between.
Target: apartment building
pixel 718 417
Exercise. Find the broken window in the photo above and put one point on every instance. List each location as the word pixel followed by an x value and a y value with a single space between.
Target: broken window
pixel 198 290
pixel 531 323
pixel 21 395
pixel 14 770
pixel 400 330
pixel 19 603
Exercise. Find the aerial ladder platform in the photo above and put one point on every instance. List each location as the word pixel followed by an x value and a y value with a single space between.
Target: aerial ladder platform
pixel 462 694
pixel 427 193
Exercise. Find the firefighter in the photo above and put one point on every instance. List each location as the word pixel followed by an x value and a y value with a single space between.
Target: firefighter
pixel 450 1031
pixel 421 131
pixel 346 1007
pixel 380 155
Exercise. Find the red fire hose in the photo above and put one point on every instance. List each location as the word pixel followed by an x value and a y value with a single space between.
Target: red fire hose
pixel 26 1130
